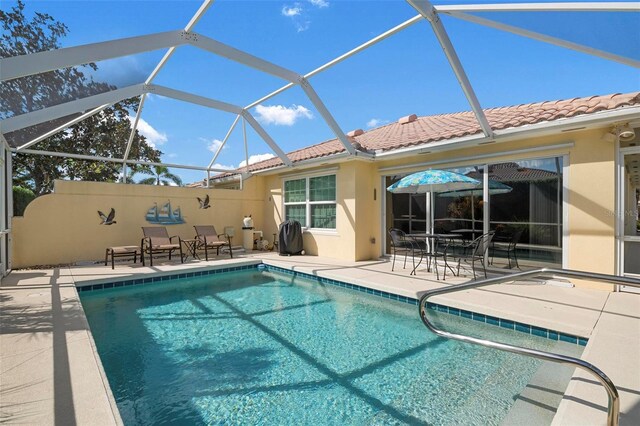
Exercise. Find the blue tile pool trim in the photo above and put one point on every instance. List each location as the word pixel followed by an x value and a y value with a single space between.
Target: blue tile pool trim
pixel 499 322
pixel 487 319
pixel 150 280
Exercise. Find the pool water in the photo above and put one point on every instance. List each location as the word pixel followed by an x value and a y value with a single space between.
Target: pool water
pixel 263 348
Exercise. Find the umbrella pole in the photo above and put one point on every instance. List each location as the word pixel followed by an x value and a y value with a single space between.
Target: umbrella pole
pixel 430 213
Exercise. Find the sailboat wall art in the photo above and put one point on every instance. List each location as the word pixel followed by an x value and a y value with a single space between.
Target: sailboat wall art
pixel 164 215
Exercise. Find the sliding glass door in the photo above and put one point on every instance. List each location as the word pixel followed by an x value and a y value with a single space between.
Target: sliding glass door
pixel 521 200
pixel 408 212
pixel 530 208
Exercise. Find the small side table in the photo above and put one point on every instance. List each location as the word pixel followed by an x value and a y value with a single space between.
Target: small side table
pixel 121 251
pixel 191 245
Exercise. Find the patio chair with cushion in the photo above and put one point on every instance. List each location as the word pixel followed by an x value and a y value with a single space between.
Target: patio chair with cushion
pixel 157 240
pixel 477 250
pixel 208 238
pixel 401 244
pixel 506 242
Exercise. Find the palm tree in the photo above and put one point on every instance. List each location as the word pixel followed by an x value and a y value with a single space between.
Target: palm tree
pixel 131 171
pixel 160 175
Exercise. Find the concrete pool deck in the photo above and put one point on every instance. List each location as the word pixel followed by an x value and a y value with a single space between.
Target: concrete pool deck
pixel 51 373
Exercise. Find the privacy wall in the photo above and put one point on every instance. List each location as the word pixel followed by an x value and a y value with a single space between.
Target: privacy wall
pixel 65 227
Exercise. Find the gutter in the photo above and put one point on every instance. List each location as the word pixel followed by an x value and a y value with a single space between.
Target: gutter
pixel 330 159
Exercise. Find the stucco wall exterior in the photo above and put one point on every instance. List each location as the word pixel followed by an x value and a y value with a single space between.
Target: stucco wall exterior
pixel 336 244
pixel 64 227
pixel 589 197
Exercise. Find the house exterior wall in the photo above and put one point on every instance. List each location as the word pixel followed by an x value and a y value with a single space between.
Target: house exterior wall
pixel 339 244
pixel 589 197
pixel 64 227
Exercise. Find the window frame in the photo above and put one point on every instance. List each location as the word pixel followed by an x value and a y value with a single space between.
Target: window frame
pixel 308 203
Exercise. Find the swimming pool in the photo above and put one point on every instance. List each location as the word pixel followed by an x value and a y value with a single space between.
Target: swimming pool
pixel 255 347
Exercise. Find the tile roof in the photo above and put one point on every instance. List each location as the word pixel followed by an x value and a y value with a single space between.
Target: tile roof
pixel 433 128
pixel 513 172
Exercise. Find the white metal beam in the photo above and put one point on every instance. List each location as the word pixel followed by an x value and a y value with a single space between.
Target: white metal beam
pixel 35 63
pixel 341 58
pixel 270 95
pixel 242 57
pixel 62 127
pixel 134 127
pixel 545 38
pixel 160 65
pixel 366 45
pixel 194 20
pixel 246 147
pixel 265 136
pixel 116 160
pixel 21 121
pixel 9 206
pixel 191 98
pixel 425 8
pixel 328 118
pixel 223 106
pixel 224 141
pixel 206 4
pixel 544 7
pixel 46 114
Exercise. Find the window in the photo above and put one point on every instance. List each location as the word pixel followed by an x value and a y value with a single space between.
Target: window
pixel 311 201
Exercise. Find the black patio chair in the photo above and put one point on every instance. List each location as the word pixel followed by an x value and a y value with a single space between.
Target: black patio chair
pixel 401 243
pixel 477 250
pixel 506 243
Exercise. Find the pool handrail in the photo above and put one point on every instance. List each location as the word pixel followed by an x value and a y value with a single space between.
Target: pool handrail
pixel 612 392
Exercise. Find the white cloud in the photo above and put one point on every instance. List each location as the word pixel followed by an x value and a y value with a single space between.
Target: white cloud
pixel 291 11
pixel 154 137
pixel 223 166
pixel 256 159
pixel 252 159
pixel 281 115
pixel 375 122
pixel 213 145
pixel 172 155
pixel 298 15
pixel 319 3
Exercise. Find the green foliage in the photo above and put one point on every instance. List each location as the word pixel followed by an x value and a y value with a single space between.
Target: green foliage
pixel 104 134
pixel 160 175
pixel 461 207
pixel 21 198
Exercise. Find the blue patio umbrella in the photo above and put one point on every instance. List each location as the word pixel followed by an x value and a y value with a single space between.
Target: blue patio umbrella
pixel 433 181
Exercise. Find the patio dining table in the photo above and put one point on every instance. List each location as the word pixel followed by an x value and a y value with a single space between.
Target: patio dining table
pixel 433 240
pixel 466 233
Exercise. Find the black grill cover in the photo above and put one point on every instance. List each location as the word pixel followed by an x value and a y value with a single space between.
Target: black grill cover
pixel 290 238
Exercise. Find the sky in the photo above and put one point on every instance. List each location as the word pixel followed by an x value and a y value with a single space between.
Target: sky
pixel 404 74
